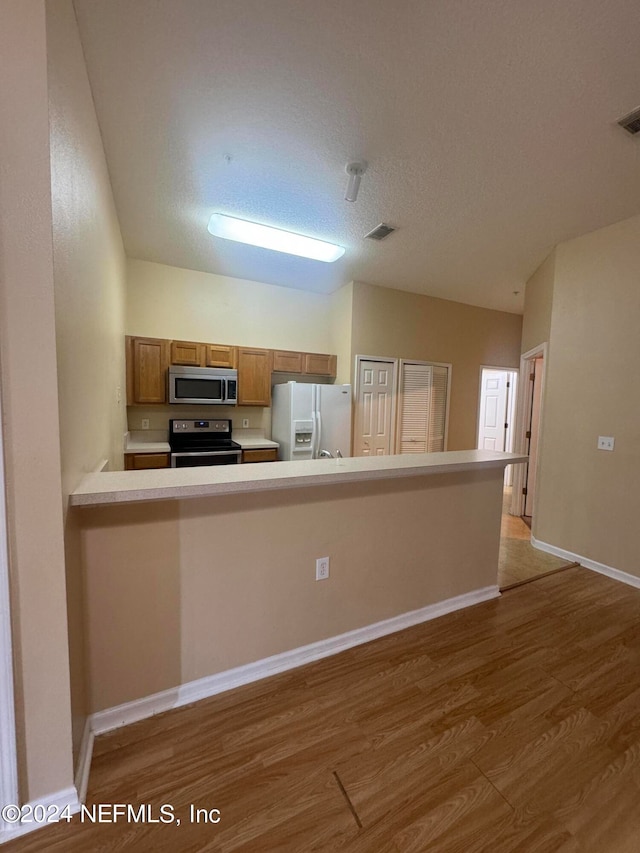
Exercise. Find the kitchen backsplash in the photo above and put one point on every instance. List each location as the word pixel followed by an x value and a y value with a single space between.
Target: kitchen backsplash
pixel 159 416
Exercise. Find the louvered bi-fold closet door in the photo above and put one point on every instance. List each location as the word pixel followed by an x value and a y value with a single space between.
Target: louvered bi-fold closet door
pixel 415 407
pixel 423 407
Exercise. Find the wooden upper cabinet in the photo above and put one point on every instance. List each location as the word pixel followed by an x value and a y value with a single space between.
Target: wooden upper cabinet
pixel 319 364
pixel 312 363
pixel 148 360
pixel 217 355
pixel 188 353
pixel 287 362
pixel 254 377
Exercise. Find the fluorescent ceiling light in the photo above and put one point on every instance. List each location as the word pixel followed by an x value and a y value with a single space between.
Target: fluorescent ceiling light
pixel 266 237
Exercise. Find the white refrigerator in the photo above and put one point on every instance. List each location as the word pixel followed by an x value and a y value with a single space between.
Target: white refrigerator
pixel 307 419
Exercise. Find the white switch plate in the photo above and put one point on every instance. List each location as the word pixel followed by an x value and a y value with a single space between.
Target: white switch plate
pixel 606 442
pixel 322 568
pixel 145 423
pixel 245 423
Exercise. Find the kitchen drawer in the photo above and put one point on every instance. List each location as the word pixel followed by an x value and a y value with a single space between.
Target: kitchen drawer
pixel 267 454
pixel 142 461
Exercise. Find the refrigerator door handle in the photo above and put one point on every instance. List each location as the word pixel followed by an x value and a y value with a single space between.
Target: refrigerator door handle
pixel 314 434
pixel 315 438
pixel 319 422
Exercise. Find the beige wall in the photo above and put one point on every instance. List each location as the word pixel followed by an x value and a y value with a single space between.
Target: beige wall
pixel 168 302
pixel 342 331
pixel 225 581
pixel 30 407
pixel 586 497
pixel 89 281
pixel 538 301
pixel 398 324
pixel 158 416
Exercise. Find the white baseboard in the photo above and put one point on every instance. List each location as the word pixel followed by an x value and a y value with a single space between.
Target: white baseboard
pixel 84 761
pixel 68 797
pixel 140 709
pixel 615 574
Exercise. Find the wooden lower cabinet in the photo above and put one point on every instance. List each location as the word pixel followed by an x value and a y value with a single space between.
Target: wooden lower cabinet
pixel 267 454
pixel 142 461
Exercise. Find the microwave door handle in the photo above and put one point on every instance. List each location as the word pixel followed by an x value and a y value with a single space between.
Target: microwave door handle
pixel 225 389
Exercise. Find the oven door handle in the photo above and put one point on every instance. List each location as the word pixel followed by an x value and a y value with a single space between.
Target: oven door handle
pixel 175 455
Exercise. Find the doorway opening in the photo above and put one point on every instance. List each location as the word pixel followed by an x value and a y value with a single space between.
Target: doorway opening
pixel 519 561
pixel 529 420
pixel 8 757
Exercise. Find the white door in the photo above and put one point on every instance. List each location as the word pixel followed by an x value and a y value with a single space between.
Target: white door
pixel 374 408
pixel 422 420
pixel 493 424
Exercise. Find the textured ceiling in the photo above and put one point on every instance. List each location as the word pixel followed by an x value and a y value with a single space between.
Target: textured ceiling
pixel 489 129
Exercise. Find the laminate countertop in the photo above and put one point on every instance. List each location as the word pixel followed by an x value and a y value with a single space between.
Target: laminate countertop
pixel 155 441
pixel 111 487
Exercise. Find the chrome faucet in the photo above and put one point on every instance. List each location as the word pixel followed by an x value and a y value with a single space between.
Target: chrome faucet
pixel 325 454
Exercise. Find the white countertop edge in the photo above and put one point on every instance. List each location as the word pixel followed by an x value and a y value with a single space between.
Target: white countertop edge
pixel 147 447
pixel 156 485
pixel 256 443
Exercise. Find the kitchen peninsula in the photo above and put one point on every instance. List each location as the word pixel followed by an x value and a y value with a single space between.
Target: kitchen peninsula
pixel 200 579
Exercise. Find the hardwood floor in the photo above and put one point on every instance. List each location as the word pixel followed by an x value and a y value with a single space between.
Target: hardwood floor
pixel 511 726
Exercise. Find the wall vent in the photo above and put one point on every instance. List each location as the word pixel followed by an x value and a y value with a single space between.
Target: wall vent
pixel 380 232
pixel 631 123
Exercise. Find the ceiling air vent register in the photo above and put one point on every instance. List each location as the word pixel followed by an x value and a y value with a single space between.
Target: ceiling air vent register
pixel 631 123
pixel 380 232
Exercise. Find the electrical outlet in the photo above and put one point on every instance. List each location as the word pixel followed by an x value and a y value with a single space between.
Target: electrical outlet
pixel 322 568
pixel 245 423
pixel 145 423
pixel 606 442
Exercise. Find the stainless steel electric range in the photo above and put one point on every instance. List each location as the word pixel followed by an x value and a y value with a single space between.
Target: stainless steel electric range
pixel 208 442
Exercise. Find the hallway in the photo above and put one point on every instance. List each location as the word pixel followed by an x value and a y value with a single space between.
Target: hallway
pixel 519 561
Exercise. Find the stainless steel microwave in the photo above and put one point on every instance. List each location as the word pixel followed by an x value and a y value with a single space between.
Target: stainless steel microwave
pixel 209 386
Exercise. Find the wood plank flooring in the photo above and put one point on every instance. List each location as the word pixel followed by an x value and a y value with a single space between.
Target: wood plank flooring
pixel 511 726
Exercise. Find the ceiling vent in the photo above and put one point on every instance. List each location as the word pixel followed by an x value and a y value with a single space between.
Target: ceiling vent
pixel 379 232
pixel 631 123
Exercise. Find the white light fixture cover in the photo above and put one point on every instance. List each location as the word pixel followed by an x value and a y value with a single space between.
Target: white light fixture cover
pixel 266 237
pixel 355 171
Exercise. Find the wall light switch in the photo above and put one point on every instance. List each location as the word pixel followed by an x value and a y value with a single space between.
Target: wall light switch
pixel 606 442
